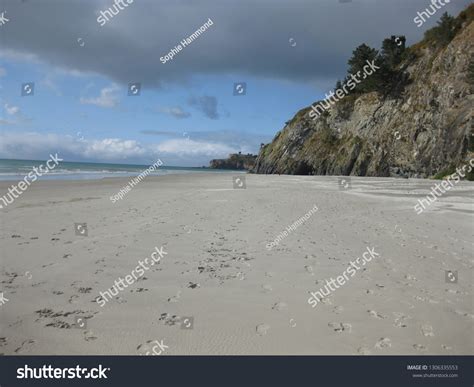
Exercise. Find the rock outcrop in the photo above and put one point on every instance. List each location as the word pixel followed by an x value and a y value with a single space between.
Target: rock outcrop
pixel 235 161
pixel 425 130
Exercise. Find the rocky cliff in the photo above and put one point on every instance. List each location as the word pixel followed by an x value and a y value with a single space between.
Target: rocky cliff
pixel 235 161
pixel 425 130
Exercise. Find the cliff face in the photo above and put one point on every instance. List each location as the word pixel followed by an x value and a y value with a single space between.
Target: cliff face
pixel 235 161
pixel 424 131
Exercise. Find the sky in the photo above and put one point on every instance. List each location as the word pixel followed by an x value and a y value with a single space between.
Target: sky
pixel 187 111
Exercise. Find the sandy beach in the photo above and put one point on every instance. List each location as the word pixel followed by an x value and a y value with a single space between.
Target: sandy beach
pixel 238 296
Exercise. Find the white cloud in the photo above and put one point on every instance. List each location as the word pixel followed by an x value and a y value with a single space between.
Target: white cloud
pixel 108 97
pixel 114 149
pixel 185 147
pixel 11 110
pixel 34 145
pixel 50 84
pixel 176 112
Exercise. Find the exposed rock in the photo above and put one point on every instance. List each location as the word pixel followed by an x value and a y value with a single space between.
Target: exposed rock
pixel 426 130
pixel 235 161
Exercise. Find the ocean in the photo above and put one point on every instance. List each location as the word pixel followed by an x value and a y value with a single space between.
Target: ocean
pixel 11 169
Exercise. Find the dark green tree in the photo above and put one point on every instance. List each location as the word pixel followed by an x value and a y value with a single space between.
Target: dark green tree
pixel 393 49
pixel 445 31
pixel 360 57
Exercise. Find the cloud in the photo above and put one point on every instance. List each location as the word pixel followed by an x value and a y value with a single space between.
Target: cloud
pixel 239 41
pixel 185 147
pixel 206 104
pixel 15 114
pixel 50 84
pixel 159 133
pixel 108 98
pixel 11 110
pixel 114 149
pixel 37 146
pixel 176 112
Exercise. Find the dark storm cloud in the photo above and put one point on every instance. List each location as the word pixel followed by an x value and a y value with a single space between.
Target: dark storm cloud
pixel 206 104
pixel 249 37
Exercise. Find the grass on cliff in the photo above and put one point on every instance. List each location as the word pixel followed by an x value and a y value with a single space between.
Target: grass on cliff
pixel 445 173
pixel 447 28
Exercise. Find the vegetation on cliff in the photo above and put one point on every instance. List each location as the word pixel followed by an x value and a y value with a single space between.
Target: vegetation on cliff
pixel 235 161
pixel 410 118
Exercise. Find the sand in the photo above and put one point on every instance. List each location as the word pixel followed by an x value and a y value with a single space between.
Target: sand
pixel 239 297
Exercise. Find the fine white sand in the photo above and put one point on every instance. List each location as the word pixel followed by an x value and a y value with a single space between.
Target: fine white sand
pixel 244 299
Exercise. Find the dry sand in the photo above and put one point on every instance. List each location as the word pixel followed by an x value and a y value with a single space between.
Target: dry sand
pixel 244 299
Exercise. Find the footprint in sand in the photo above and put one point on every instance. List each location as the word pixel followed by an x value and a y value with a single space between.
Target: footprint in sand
pixel 340 327
pixel 374 314
pixel 175 298
pixel 269 274
pixel 279 306
pixel 464 314
pixel 169 319
pixel 326 301
pixel 25 346
pixel 262 329
pixel 147 348
pixel 89 336
pixel 267 288
pixel 338 309
pixel 384 342
pixel 309 269
pixel 427 330
pixel 446 347
pixel 400 320
pixel 73 299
